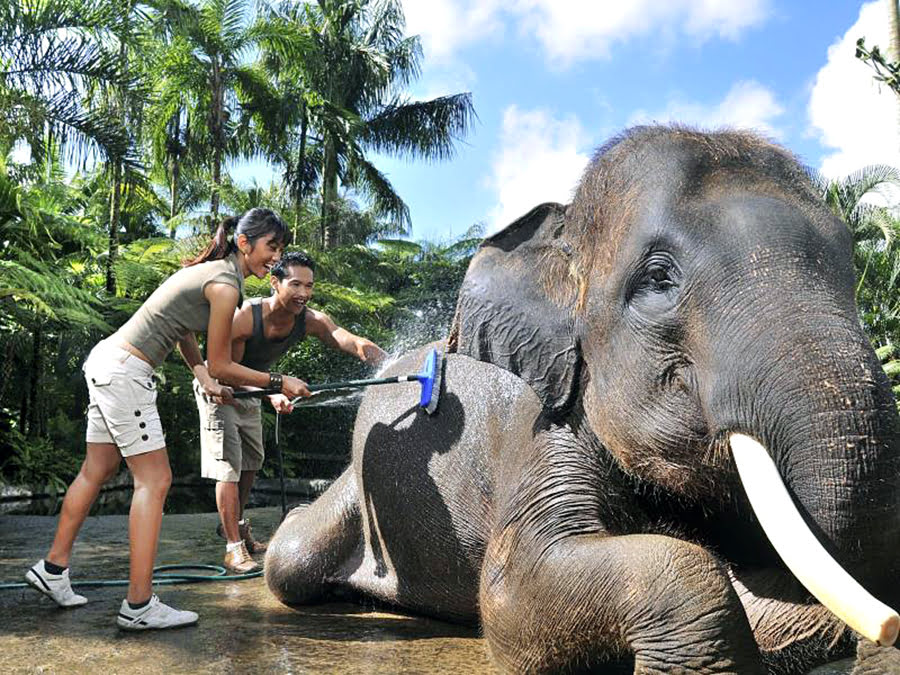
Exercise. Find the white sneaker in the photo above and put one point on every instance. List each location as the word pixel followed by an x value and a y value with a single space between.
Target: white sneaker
pixel 56 586
pixel 155 614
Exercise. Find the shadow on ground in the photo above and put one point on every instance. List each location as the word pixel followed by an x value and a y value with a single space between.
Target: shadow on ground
pixel 242 628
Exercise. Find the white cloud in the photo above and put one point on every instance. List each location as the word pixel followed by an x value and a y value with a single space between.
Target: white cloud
pixel 539 160
pixel 848 112
pixel 747 105
pixel 446 25
pixel 585 29
pixel 576 30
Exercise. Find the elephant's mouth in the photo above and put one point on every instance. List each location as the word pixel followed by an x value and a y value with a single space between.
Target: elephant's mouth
pixel 801 551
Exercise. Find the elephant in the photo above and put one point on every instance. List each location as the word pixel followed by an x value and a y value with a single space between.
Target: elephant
pixel 575 494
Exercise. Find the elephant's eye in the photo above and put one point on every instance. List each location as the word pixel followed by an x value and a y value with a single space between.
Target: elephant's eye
pixel 659 278
pixel 659 274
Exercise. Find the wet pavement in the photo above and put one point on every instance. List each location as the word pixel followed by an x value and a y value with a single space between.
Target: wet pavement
pixel 242 628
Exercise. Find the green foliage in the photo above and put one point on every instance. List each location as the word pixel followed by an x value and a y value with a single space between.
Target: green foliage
pixel 37 462
pixel 876 256
pixel 156 97
pixel 50 52
pixel 885 71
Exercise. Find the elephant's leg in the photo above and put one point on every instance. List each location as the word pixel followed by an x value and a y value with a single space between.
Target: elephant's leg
pixel 579 602
pixel 315 547
pixel 794 634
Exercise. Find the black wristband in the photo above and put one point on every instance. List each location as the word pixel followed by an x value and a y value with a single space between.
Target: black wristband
pixel 276 382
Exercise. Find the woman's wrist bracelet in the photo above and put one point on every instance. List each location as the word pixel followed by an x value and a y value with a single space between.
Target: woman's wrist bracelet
pixel 276 382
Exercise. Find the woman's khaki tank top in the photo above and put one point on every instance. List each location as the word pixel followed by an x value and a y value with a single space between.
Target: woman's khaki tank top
pixel 178 307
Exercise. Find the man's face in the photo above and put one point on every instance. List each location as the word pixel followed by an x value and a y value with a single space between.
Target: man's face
pixel 295 290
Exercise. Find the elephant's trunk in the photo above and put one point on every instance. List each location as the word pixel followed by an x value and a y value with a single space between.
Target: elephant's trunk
pixel 802 552
pixel 823 408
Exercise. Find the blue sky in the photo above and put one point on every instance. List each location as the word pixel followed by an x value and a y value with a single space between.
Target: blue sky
pixel 553 79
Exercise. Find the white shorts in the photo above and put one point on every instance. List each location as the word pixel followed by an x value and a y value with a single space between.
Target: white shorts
pixel 122 408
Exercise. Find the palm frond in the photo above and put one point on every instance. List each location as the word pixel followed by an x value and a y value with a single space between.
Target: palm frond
pixel 32 282
pixel 422 128
pixel 364 176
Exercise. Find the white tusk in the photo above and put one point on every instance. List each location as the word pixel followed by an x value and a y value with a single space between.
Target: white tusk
pixel 801 551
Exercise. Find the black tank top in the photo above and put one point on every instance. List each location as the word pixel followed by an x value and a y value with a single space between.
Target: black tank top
pixel 259 352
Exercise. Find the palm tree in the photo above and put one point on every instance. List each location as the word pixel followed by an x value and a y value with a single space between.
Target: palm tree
pixel 50 53
pixel 359 63
pixel 876 253
pixel 205 81
pixel 282 125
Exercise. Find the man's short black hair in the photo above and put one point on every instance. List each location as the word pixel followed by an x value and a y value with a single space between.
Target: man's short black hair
pixel 292 259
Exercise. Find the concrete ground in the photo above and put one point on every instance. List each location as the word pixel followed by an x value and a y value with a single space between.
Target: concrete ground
pixel 242 628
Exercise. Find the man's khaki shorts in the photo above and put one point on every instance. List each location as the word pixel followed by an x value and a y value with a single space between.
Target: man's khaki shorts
pixel 231 437
pixel 122 407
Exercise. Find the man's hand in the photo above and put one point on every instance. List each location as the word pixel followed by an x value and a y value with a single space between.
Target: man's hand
pixel 294 387
pixel 369 352
pixel 281 403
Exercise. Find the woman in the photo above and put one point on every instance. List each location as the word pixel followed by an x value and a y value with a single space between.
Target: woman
pixel 122 417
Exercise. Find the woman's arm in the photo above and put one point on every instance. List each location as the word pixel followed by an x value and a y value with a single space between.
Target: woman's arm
pixel 222 303
pixel 190 352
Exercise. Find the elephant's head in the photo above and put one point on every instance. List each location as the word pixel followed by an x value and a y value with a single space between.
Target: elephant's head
pixel 697 286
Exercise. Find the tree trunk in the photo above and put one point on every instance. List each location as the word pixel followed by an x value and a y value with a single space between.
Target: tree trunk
pixel 218 134
pixel 7 367
pixel 300 190
pixel 34 382
pixel 173 209
pixel 329 194
pixel 174 151
pixel 23 409
pixel 894 13
pixel 114 214
pixel 118 109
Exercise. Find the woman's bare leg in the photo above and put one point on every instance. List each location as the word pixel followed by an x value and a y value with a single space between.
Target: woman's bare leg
pixel 101 463
pixel 152 478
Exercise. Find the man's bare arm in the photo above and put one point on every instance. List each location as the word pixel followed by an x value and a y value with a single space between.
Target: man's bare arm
pixel 321 326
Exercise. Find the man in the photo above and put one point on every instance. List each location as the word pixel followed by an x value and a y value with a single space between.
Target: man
pixel 231 444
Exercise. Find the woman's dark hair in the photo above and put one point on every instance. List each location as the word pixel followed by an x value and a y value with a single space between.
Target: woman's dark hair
pixel 254 224
pixel 292 259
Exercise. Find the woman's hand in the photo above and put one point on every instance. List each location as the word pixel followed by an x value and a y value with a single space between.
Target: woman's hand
pixel 294 387
pixel 217 393
pixel 281 403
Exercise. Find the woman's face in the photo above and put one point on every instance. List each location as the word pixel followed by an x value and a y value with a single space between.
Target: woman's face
pixel 261 255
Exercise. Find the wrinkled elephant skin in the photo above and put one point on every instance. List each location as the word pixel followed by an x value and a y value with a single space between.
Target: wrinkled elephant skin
pixel 575 493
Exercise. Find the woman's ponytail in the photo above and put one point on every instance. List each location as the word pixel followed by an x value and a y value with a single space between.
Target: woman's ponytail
pixel 254 224
pixel 221 245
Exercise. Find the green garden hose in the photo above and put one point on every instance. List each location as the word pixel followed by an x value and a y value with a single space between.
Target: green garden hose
pixel 159 578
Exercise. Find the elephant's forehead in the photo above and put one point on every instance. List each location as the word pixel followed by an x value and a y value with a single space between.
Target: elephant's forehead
pixel 686 168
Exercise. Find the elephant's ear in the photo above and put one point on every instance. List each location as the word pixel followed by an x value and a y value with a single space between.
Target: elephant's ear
pixel 505 316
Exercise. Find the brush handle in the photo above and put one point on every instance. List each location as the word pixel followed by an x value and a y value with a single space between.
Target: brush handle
pixel 346 384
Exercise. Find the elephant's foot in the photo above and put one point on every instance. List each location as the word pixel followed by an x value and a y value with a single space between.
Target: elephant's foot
pixel 874 660
pixel 587 602
pixel 794 633
pixel 315 547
